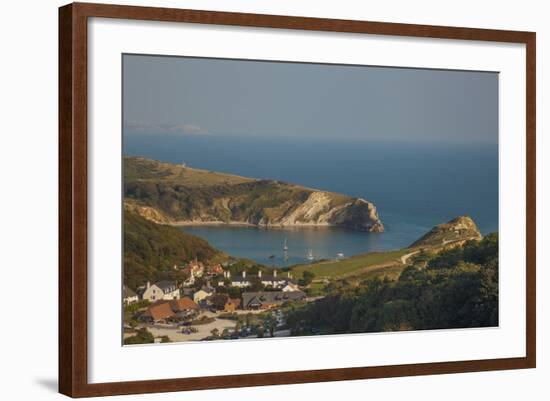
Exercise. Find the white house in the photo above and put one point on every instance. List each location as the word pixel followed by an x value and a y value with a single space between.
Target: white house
pixel 161 290
pixel 239 281
pixel 129 296
pixel 203 293
pixel 289 287
pixel 226 276
pixel 273 280
pixel 267 280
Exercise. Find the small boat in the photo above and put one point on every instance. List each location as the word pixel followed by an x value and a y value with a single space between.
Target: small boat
pixel 271 257
pixel 340 255
pixel 285 247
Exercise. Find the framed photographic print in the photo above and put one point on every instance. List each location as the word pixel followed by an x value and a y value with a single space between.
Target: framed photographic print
pixel 251 199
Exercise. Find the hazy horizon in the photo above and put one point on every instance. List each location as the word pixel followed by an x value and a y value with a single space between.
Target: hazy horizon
pixel 184 96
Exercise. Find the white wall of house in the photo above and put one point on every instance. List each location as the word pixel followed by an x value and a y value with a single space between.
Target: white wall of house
pixel 289 287
pixel 172 295
pixel 131 300
pixel 274 283
pixel 153 293
pixel 200 295
pixel 241 284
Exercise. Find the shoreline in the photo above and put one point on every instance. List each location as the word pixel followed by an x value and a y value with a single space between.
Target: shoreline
pixel 262 226
pixel 210 223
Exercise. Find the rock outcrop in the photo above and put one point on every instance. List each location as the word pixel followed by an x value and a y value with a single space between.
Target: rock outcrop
pixel 318 210
pixel 453 233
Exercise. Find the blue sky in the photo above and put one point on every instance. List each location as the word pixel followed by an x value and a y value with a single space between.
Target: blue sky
pixel 196 96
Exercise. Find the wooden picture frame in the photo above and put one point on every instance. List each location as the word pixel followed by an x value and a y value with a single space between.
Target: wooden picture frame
pixel 73 195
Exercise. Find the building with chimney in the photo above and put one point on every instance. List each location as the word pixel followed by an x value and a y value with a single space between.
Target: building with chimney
pixel 161 290
pixel 268 280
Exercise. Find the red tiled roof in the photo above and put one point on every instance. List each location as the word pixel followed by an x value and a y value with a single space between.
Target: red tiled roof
pixel 159 311
pixel 182 304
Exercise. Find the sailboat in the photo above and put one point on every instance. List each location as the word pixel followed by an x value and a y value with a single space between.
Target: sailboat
pixel 310 254
pixel 285 247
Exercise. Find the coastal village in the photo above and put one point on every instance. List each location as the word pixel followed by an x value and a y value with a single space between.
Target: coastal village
pixel 212 303
pixel 232 300
pixel 179 288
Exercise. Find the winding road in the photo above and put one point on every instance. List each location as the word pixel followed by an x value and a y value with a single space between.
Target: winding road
pixel 405 258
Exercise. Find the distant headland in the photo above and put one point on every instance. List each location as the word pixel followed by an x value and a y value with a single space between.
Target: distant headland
pixel 176 194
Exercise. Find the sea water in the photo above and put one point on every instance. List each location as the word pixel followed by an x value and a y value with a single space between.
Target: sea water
pixel 413 185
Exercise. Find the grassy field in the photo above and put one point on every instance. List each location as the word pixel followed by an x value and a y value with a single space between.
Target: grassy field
pixel 391 271
pixel 141 169
pixel 316 289
pixel 352 266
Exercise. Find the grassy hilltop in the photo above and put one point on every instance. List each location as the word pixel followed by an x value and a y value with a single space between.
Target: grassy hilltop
pixel 458 229
pixel 176 194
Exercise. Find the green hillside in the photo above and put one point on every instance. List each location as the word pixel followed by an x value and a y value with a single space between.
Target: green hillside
pixel 455 288
pixel 151 250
